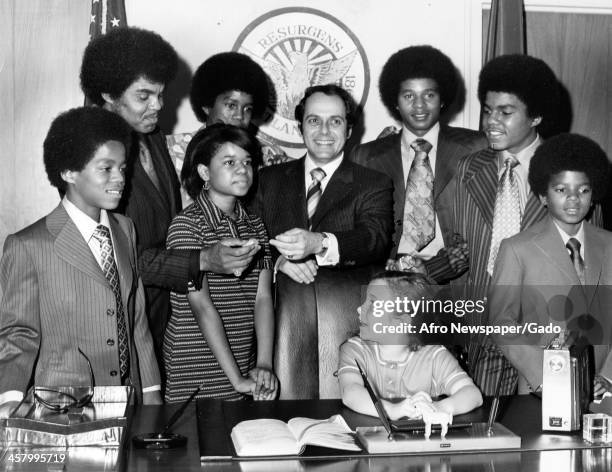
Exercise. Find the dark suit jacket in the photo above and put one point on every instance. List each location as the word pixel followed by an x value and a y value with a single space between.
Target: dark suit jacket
pixel 56 299
pixel 311 320
pixel 384 155
pixel 355 207
pixel 534 281
pixel 152 211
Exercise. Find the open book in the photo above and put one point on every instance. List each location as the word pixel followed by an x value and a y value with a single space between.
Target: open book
pixel 269 437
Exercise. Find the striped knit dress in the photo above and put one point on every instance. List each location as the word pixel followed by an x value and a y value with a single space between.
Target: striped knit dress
pixel 188 359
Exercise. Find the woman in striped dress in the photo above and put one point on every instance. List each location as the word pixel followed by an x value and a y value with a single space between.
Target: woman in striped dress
pixel 221 332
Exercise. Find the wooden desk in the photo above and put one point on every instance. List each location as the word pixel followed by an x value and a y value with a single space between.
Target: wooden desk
pixel 521 414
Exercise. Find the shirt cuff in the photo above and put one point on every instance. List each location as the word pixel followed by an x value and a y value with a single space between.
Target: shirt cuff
pixel 11 396
pixel 152 388
pixel 332 255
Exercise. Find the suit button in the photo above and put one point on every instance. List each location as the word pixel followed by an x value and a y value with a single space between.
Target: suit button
pixel 113 373
pixel 110 312
pixel 110 342
pixel 398 222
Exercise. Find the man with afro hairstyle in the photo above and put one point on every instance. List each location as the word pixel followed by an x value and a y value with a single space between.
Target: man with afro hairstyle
pixel 229 88
pixel 126 71
pixel 416 85
pixel 568 173
pixel 518 95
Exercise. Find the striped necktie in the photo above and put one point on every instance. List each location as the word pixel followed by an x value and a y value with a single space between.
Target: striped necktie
pixel 313 195
pixel 109 267
pixel 507 215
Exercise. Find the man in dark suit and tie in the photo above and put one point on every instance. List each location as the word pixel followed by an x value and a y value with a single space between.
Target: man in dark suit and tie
pixel 416 85
pixel 327 218
pixel 494 200
pixel 70 294
pixel 126 71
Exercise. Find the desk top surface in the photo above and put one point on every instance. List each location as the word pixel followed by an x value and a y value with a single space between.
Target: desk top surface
pixel 520 414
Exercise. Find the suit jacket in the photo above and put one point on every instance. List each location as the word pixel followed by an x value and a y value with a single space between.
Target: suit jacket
pixel 152 211
pixel 384 155
pixel 56 299
pixel 355 207
pixel 534 281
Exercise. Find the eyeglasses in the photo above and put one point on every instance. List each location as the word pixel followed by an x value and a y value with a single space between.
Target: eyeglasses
pixel 61 401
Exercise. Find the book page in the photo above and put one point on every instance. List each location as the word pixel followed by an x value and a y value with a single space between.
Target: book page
pixel 332 432
pixel 264 437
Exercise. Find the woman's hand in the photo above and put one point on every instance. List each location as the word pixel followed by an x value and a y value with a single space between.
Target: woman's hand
pixel 266 383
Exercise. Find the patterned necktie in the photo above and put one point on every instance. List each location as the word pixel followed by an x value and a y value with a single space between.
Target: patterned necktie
pixel 314 193
pixel 574 248
pixel 109 267
pixel 507 216
pixel 419 219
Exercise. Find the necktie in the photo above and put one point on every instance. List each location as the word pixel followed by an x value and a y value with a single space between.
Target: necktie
pixel 574 248
pixel 314 193
pixel 507 215
pixel 109 267
pixel 147 164
pixel 419 220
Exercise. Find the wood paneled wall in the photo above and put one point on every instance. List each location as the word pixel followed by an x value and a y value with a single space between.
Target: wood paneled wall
pixel 41 43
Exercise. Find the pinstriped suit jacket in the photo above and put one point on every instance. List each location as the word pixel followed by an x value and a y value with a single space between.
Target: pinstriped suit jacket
pixel 385 155
pixel 55 299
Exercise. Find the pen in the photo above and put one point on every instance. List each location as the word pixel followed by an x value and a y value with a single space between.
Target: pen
pixel 494 407
pixel 380 409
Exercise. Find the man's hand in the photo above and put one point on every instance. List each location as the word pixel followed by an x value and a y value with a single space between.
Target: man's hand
pixel 407 263
pixel 301 272
pixel 228 256
pixel 7 408
pixel 266 383
pixel 297 243
pixel 152 398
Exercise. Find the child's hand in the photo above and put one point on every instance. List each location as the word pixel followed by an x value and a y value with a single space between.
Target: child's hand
pixel 245 385
pixel 266 383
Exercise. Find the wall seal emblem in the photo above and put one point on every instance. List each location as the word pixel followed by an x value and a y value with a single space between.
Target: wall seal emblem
pixel 301 47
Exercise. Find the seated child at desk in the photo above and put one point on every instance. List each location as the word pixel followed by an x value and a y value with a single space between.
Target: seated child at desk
pixel 404 373
pixel 561 258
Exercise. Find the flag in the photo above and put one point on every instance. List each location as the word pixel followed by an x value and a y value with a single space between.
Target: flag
pixel 106 14
pixel 506 31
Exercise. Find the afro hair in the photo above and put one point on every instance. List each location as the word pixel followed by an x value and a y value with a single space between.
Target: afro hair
pixel 417 62
pixel 224 72
pixel 112 62
pixel 74 137
pixel 529 78
pixel 569 152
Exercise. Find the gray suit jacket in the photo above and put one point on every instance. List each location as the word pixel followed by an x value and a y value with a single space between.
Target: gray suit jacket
pixel 56 299
pixel 535 281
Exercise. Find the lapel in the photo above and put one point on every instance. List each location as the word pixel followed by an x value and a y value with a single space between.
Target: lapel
pixel 447 158
pixel 337 188
pixel 481 182
pixel 293 192
pixel 549 242
pixel 125 265
pixel 70 246
pixel 594 257
pixel 534 211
